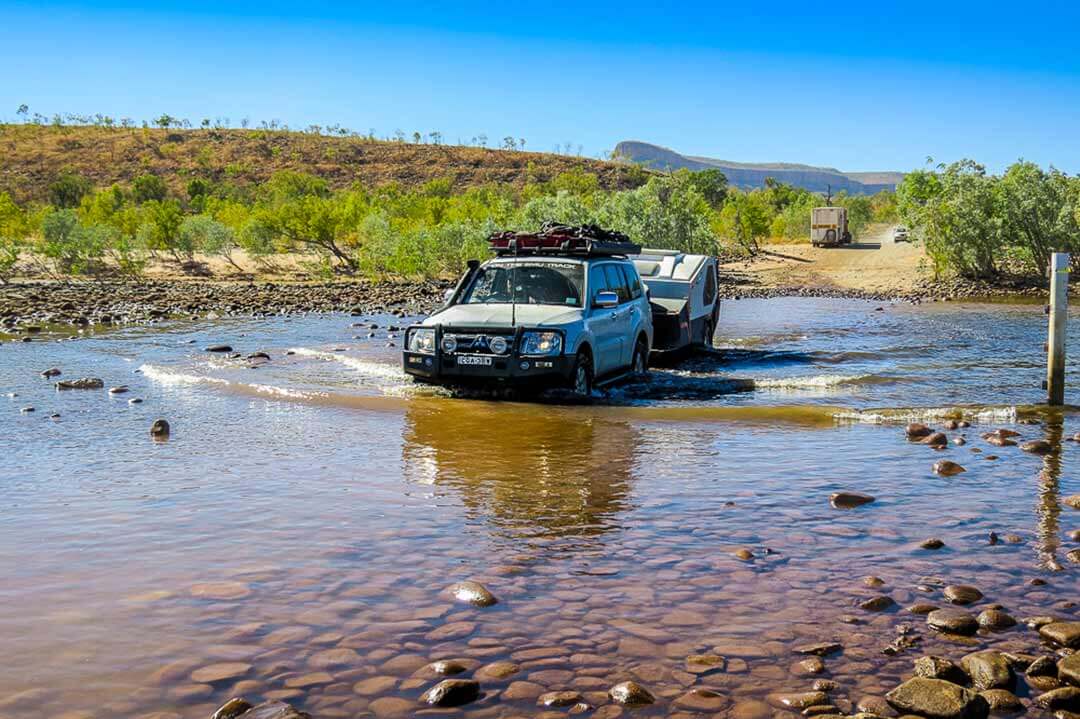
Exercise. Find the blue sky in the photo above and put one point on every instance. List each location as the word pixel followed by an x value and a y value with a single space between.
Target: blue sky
pixel 872 85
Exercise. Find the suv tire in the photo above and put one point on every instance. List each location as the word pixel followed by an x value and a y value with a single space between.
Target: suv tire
pixel 639 363
pixel 581 378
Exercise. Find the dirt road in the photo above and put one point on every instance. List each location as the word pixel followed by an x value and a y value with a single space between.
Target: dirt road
pixel 873 263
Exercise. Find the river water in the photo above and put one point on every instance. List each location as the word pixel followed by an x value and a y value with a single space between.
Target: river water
pixel 293 537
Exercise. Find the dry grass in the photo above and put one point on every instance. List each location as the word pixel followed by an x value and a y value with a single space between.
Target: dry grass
pixel 33 156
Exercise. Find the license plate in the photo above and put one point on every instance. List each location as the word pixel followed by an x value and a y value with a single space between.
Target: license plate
pixel 474 360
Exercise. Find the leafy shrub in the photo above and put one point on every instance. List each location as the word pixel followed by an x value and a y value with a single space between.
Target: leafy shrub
pixel 67 191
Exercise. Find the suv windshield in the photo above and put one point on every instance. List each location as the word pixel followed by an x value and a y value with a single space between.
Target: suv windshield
pixel 532 283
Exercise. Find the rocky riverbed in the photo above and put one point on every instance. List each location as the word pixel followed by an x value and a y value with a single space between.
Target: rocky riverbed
pixel 26 307
pixel 308 528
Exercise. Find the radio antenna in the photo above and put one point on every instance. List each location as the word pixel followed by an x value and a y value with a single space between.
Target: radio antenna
pixel 513 287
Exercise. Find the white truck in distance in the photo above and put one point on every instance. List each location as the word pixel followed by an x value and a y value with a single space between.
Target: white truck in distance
pixel 829 227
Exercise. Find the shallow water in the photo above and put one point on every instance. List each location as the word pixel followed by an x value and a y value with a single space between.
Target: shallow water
pixel 322 502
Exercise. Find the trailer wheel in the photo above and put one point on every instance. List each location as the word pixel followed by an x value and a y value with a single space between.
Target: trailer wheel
pixel 639 365
pixel 581 378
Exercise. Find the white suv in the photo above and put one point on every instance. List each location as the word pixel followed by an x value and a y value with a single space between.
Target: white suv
pixel 559 315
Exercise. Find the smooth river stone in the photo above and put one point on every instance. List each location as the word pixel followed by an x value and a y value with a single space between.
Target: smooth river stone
pixel 374 685
pixel 311 679
pixel 988 670
pixel 497 670
pixel 1066 634
pixel 937 699
pixel 220 672
pixel 473 593
pixel 221 590
pixel 334 658
pixel 702 700
pixel 962 594
pixel 287 635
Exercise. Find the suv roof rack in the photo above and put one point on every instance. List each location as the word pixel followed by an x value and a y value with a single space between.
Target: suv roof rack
pixel 557 239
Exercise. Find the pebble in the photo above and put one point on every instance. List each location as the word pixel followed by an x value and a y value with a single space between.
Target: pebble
pixel 81 383
pixel 995 619
pixel 119 389
pixel 472 593
pixel 849 500
pixel 962 594
pixel 220 672
pixel 877 604
pixel 630 693
pixel 1037 446
pixel 798 701
pixel 558 699
pixel 947 468
pixel 452 693
pixel 952 621
pixel 915 430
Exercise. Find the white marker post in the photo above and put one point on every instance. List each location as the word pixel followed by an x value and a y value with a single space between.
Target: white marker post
pixel 1059 312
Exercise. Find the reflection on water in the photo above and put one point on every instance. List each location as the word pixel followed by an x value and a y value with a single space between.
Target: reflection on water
pixel 528 470
pixel 304 517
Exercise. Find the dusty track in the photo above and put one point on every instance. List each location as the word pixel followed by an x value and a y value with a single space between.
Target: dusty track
pixel 873 263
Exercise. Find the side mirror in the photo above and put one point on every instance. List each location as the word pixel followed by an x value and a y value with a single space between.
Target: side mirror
pixel 606 300
pixel 448 295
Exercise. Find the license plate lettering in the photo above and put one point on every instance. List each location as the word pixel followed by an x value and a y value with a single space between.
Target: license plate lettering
pixel 474 360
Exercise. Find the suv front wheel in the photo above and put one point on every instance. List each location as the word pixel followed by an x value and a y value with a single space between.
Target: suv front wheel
pixel 639 365
pixel 581 379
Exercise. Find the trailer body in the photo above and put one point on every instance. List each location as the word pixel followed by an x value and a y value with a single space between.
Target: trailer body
pixel 829 227
pixel 683 296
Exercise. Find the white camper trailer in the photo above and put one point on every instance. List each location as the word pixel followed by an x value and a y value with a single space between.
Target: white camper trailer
pixel 683 296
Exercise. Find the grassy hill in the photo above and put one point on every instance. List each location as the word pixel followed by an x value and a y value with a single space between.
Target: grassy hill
pixel 32 156
pixel 749 175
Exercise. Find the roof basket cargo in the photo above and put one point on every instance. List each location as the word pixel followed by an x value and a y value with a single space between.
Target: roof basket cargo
pixel 557 239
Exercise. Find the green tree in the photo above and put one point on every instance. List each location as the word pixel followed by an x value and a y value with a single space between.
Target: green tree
pixel 149 187
pixel 74 249
pixel 67 191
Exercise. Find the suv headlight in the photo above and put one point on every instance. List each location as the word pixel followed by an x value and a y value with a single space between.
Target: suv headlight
pixel 422 340
pixel 541 343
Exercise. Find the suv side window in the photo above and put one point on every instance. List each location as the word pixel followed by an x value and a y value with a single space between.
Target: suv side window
pixel 632 280
pixel 617 282
pixel 597 282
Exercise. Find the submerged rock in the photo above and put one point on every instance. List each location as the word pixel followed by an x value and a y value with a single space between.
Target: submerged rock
pixel 702 700
pixel 82 383
pixel 51 372
pixel 937 439
pixel 160 429
pixel 630 693
pixel 1037 446
pixel 452 693
pixel 799 701
pixel 1042 667
pixel 962 594
pixel 946 468
pixel 219 348
pixel 473 593
pixel 558 699
pixel 995 619
pixel 877 604
pixel 937 699
pixel 915 430
pixel 820 649
pixel 932 543
pixel 849 500
pixel 952 621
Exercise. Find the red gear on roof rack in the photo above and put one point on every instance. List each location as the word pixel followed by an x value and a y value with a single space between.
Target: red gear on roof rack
pixel 559 239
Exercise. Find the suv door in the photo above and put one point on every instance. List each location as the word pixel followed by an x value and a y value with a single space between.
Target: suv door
pixel 603 323
pixel 640 312
pixel 624 320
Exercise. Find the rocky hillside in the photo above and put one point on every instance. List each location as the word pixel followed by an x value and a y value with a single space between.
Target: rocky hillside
pixel 742 174
pixel 33 156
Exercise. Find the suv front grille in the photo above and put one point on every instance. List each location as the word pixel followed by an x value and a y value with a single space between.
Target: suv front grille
pixel 474 343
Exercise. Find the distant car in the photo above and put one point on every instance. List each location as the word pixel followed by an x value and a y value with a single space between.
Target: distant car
pixel 900 234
